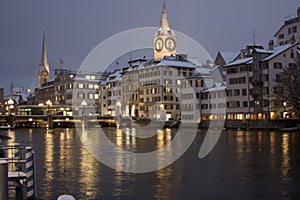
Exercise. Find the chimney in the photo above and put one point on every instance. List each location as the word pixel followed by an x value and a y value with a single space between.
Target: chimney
pixel 298 12
pixel 271 45
pixel 242 54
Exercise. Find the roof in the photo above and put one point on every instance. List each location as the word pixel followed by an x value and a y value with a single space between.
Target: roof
pixel 229 56
pixel 200 71
pixel 176 63
pixel 218 87
pixel 240 62
pixel 278 50
pixel 264 51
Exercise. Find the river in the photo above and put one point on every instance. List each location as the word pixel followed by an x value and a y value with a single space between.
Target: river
pixel 242 165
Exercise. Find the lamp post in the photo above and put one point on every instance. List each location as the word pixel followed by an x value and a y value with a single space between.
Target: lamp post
pixel 49 116
pixel 11 107
pixel 84 104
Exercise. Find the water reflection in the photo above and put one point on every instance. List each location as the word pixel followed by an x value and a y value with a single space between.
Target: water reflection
pixel 243 164
pixel 285 164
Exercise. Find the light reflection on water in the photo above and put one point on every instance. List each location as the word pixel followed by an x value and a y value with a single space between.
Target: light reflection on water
pixel 243 164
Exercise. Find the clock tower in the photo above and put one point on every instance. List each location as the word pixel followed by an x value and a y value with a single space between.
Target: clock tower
pixel 44 71
pixel 164 38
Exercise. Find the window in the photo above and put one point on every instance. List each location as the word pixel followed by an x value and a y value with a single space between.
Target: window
pixel 213 105
pixel 294 29
pixel 277 65
pixel 242 80
pixel 292 53
pixel 245 104
pixel 204 96
pixel 265 77
pixel 232 70
pixel 229 93
pixel 232 81
pixel 168 90
pixel 204 106
pixel 221 94
pixel 221 105
pixel 90 86
pixel 91 96
pixel 236 92
pixel 198 83
pixel 289 30
pixel 81 95
pixel 265 65
pixel 233 104
pixel 212 95
pixel 281 36
pixel 244 92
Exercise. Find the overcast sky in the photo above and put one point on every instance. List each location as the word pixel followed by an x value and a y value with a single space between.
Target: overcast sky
pixel 75 27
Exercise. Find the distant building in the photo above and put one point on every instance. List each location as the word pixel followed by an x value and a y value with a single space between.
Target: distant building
pixel 44 93
pixel 44 71
pixel 289 32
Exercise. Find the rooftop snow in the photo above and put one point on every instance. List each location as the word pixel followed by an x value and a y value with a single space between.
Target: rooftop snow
pixel 278 50
pixel 240 62
pixel 176 63
pixel 229 56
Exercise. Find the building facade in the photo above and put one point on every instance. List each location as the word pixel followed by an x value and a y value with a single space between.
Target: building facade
pixel 289 32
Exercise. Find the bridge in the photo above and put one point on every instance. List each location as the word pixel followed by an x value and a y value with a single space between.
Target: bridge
pixel 54 121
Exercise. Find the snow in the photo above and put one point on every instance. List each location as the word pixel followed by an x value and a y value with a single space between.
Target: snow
pixel 200 71
pixel 229 56
pixel 264 51
pixel 240 61
pixel 278 50
pixel 176 63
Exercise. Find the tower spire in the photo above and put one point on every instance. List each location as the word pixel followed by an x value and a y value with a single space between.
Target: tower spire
pixel 164 22
pixel 44 61
pixel 44 67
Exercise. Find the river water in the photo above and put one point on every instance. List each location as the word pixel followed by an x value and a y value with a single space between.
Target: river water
pixel 242 165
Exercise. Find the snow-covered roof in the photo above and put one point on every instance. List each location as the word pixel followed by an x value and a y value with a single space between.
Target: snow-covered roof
pixel 229 56
pixel 278 50
pixel 117 76
pixel 217 88
pixel 264 51
pixel 240 62
pixel 176 63
pixel 200 71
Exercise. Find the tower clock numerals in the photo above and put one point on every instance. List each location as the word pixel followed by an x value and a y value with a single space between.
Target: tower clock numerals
pixel 170 44
pixel 159 44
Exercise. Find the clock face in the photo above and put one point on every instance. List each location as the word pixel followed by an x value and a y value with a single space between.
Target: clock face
pixel 159 44
pixel 170 44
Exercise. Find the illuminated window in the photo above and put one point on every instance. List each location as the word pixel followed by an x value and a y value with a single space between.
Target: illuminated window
pixel 80 85
pixel 91 96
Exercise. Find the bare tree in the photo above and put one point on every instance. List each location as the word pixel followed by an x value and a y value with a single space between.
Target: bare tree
pixel 287 90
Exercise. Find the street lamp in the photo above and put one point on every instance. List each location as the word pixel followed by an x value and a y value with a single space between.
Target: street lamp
pixel 49 117
pixel 10 105
pixel 83 103
pixel 48 103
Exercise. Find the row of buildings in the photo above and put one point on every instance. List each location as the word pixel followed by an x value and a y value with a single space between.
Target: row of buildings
pixel 238 85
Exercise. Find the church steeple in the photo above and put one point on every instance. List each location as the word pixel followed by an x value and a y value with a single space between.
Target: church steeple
pixel 164 38
pixel 164 22
pixel 44 61
pixel 44 71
